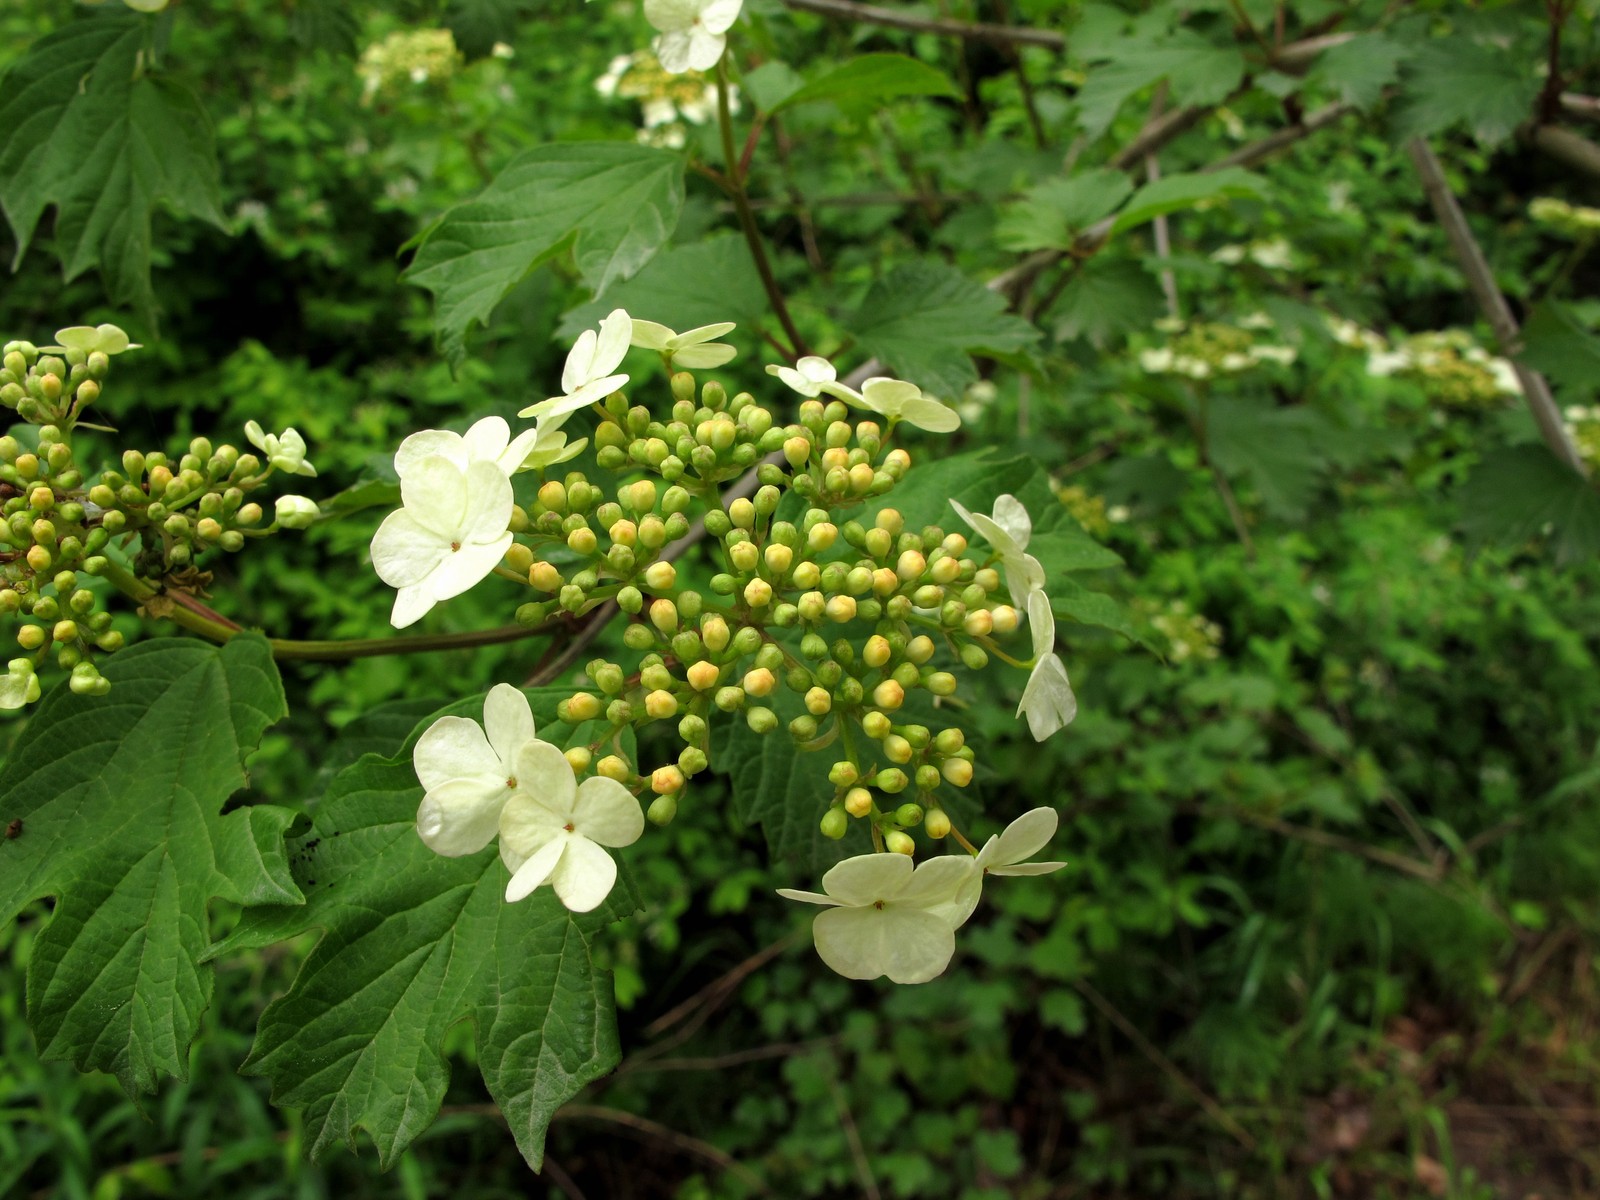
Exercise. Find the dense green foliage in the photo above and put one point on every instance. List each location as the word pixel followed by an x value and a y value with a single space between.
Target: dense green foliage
pixel 1326 595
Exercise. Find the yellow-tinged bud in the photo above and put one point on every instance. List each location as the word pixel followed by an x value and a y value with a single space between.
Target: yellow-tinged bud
pixel 979 622
pixel 796 451
pixel 988 579
pixel 65 631
pixel 1003 618
pixel 583 541
pixel 248 514
pixel 858 802
pixel 742 513
pixel 890 521
pixel 877 651
pixel 899 842
pixel 945 570
pixel 888 695
pixel 41 498
pixel 666 780
pixel 545 577
pixel 835 458
pixel 819 702
pixel 920 649
pixel 613 766
pixel 758 593
pixel 518 557
pixel 40 559
pixel 714 633
pixel 659 576
pixel 841 608
pixel 956 771
pixel 623 533
pixel 208 528
pixel 553 496
pixel 661 705
pixel 578 758
pixel 702 676
pixel 861 476
pixel 779 558
pixel 897 459
pixel 897 749
pixel 664 615
pixel 911 565
pixel 876 726
pixel 936 824
pixel 885 582
pixel 759 682
pixel 822 536
pixel 955 543
pixel 744 556
pixel 582 706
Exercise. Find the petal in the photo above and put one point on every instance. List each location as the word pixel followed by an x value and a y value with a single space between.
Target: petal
pixel 704 333
pixel 816 369
pixel 933 415
pixel 989 531
pixel 405 553
pixel 840 392
pixel 616 331
pixel 606 812
pixel 1042 622
pixel 526 826
pixel 937 881
pixel 585 876
pixel 515 456
pixel 252 429
pixel 808 897
pixel 648 335
pixel 705 48
pixel 545 774
pixel 889 396
pixel 536 870
pixel 487 512
pixel 1044 868
pixel 411 604
pixel 465 568
pixel 580 361
pixel 672 50
pixel 1011 516
pixel 906 944
pixel 1023 838
pixel 434 491
pixel 1048 701
pixel 486 441
pixel 454 748
pixel 704 357
pixel 718 17
pixel 668 15
pixel 507 722
pixel 867 878
pixel 461 817
pixel 427 443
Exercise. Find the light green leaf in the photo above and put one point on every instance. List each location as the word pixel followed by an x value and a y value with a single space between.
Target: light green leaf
pixel 684 287
pixel 770 84
pixel 330 25
pixel 1106 299
pixel 1556 342
pixel 1174 192
pixel 1197 72
pixel 1359 70
pixel 925 319
pixel 120 800
pixel 83 129
pixel 412 944
pixel 869 80
pixel 1052 215
pixel 1524 492
pixel 1458 80
pixel 614 203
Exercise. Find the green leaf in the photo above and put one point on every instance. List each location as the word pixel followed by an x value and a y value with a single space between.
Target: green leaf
pixel 770 84
pixel 925 318
pixel 1524 492
pixel 84 129
pixel 1108 298
pixel 866 81
pixel 120 800
pixel 1359 70
pixel 614 203
pixel 1071 601
pixel 1277 449
pixel 330 25
pixel 1052 214
pixel 412 944
pixel 1171 193
pixel 478 24
pixel 1458 80
pixel 684 287
pixel 1196 71
pixel 1556 342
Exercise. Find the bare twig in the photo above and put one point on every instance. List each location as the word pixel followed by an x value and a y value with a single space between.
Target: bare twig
pixel 1574 150
pixel 1160 227
pixel 852 1136
pixel 1258 151
pixel 1492 304
pixel 974 31
pixel 664 1133
pixel 559 656
pixel 559 1177
pixel 1586 107
pixel 720 988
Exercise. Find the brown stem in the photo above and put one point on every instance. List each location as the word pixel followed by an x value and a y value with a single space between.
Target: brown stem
pixel 971 30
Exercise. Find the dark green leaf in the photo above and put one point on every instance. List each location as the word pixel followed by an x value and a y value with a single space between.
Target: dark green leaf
pixel 84 129
pixel 1174 192
pixel 1523 492
pixel 1277 449
pixel 614 203
pixel 1197 72
pixel 1106 299
pixel 1556 342
pixel 871 79
pixel 1053 214
pixel 1461 81
pixel 925 319
pixel 330 25
pixel 478 24
pixel 1359 70
pixel 120 799
pixel 683 287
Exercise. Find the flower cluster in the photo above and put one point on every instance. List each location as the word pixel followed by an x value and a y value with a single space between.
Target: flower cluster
pixel 1205 349
pixel 823 600
pixel 691 34
pixel 407 57
pixel 162 512
pixel 1188 635
pixel 670 102
pixel 1091 511
pixel 1583 426
pixel 1573 220
pixel 1451 365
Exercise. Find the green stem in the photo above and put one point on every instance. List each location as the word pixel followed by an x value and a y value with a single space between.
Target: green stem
pixel 747 220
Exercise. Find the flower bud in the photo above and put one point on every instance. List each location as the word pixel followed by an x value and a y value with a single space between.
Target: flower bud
pixel 664 613
pixel 797 451
pixel 759 682
pixel 581 706
pixel 614 767
pixel 956 771
pixel 744 556
pixel 908 815
pixel 760 720
pixel 295 512
pixel 892 780
pixel 778 558
pixel 898 842
pixel 974 657
pixel 1005 618
pixel 834 824
pixel 714 633
pixel 659 576
pixel 876 725
pixel 888 695
pixel 920 649
pixel 896 749
pixel 662 809
pixel 979 623
pixel 841 608
pixel 703 676
pixel 660 705
pixel 819 701
pixel 758 593
pixel 666 780
pixel 31 637
pixel 583 541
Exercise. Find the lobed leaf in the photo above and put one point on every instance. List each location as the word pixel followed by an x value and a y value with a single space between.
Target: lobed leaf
pixel 869 80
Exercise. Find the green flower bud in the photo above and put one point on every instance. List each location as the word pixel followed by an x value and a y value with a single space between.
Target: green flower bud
pixel 891 780
pixel 638 637
pixel 760 720
pixel 835 824
pixel 974 657
pixel 943 683
pixel 908 815
pixel 662 809
pixel 619 712
pixel 928 778
pixel 630 600
pixel 729 699
pixel 843 774
pixel 803 728
pixel 531 614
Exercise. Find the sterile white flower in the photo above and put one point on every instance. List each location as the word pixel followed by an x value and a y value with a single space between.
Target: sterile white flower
pixel 551 447
pixel 886 917
pixel 286 450
pixel 488 440
pixel 899 401
pixel 451 532
pixel 696 349
pixel 1006 853
pixel 553 829
pixel 468 772
pixel 1008 531
pixel 588 376
pixel 296 512
pixel 807 376
pixel 107 339
pixel 1048 701
pixel 693 32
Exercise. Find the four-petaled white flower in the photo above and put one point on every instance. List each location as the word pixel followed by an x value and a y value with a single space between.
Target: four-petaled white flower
pixel 807 376
pixel 899 401
pixel 588 376
pixel 1008 531
pixel 885 917
pixel 451 532
pixel 693 32
pixel 695 349
pixel 1048 700
pixel 296 512
pixel 107 339
pixel 286 450
pixel 488 440
pixel 554 830
pixel 468 772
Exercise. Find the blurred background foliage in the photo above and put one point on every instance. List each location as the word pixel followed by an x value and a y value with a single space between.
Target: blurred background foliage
pixel 1330 921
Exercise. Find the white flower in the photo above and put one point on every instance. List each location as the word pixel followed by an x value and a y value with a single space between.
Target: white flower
pixel 488 440
pixel 1005 853
pixel 885 917
pixel 19 686
pixel 451 532
pixel 107 339
pixel 551 447
pixel 1282 355
pixel 1048 700
pixel 695 349
pixel 588 376
pixel 553 830
pixel 693 32
pixel 286 450
pixel 1008 531
pixel 807 376
pixel 468 772
pixel 296 512
pixel 606 85
pixel 899 401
